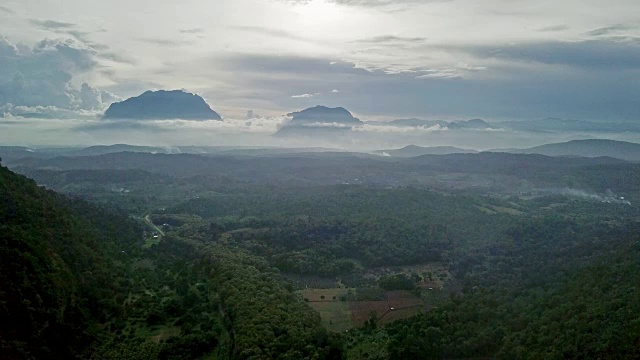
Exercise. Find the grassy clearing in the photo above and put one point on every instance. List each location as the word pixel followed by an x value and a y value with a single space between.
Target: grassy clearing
pixel 507 210
pixel 329 295
pixel 149 242
pixel 335 315
pixel 158 333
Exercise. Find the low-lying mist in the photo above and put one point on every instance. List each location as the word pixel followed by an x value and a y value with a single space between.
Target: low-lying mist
pixel 259 132
pixel 608 197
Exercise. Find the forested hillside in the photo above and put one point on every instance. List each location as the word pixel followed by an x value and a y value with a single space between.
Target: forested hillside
pixel 557 289
pixel 76 282
pixel 197 257
pixel 56 269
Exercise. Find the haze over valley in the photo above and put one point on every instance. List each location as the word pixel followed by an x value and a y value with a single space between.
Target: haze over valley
pixel 319 179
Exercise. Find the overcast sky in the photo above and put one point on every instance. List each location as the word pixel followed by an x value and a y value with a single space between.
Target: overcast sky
pixel 381 59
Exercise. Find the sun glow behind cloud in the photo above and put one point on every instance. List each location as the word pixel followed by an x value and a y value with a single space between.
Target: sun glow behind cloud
pixel 320 13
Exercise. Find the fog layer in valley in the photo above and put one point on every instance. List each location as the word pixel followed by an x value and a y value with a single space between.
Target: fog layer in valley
pixel 259 132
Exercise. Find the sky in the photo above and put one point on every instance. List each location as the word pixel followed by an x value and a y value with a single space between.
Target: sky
pixel 381 59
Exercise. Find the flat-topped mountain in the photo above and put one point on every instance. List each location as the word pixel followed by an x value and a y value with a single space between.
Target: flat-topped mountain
pixel 323 115
pixel 162 105
pixel 470 124
pixel 319 120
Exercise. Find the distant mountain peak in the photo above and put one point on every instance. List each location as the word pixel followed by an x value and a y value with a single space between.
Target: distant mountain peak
pixel 319 121
pixel 162 105
pixel 323 114
pixel 471 124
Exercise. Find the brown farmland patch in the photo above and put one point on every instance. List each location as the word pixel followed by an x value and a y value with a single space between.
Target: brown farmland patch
pixel 362 310
pixel 402 299
pixel 400 314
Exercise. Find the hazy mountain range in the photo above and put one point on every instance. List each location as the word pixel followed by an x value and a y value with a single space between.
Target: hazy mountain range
pixel 577 148
pixel 559 125
pixel 414 150
pixel 587 148
pixel 177 104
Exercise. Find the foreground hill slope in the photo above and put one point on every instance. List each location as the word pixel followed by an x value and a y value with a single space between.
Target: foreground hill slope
pixel 76 283
pixel 54 269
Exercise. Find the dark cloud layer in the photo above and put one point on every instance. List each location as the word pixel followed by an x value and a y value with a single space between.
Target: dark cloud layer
pixel 41 76
pixel 586 89
pixel 52 24
pixel 6 10
pixel 554 28
pixel 391 39
pixel 608 30
pixel 594 54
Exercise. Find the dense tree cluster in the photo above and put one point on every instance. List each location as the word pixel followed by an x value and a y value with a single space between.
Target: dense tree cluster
pixel 561 289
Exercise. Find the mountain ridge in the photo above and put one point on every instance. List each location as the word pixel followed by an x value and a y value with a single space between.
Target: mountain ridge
pixel 415 150
pixel 586 148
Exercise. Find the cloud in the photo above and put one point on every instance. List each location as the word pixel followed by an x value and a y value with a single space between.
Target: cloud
pixel 115 57
pixel 46 112
pixel 6 10
pixel 399 129
pixel 256 125
pixel 495 87
pixel 454 72
pixel 603 53
pixel 302 96
pixel 387 39
pixel 165 42
pixel 444 73
pixel 277 33
pixel 554 28
pixel 69 29
pixel 335 91
pixel 276 65
pixel 42 76
pixel 51 24
pixel 192 31
pixel 327 125
pixel 611 29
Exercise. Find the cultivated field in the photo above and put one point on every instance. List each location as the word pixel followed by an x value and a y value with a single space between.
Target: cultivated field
pixel 335 315
pixel 326 295
pixel 340 315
